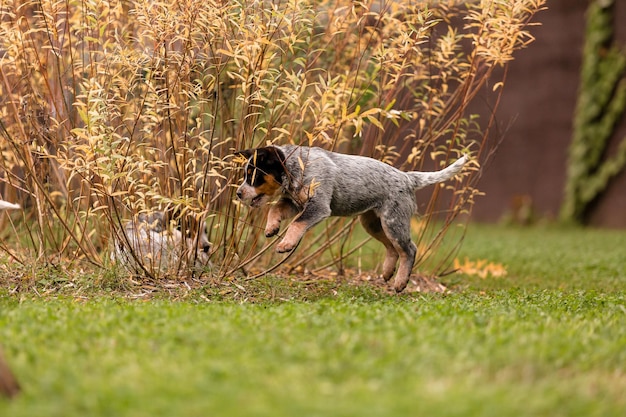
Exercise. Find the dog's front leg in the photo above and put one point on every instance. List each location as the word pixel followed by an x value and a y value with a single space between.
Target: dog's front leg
pixel 283 209
pixel 313 214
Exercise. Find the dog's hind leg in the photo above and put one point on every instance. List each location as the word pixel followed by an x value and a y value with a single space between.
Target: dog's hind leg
pixel 398 231
pixel 371 224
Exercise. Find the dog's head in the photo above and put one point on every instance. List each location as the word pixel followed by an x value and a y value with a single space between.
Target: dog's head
pixel 161 240
pixel 191 226
pixel 180 225
pixel 263 175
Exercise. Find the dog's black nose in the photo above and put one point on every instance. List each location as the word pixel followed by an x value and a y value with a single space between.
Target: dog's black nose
pixel 206 248
pixel 239 194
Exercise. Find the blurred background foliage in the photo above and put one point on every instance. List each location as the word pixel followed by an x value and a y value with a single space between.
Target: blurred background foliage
pixel 601 105
pixel 113 108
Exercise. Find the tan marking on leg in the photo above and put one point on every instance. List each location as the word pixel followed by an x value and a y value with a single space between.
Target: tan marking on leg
pixel 278 212
pixel 400 239
pixel 404 272
pixel 389 266
pixel 292 237
pixel 371 224
pixel 273 221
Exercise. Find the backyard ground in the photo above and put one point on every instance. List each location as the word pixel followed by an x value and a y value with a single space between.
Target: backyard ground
pixel 546 339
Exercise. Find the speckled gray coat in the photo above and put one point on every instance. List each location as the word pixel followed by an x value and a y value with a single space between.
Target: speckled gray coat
pixel 316 184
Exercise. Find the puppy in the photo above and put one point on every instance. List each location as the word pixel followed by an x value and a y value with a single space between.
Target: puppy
pixel 160 241
pixel 315 184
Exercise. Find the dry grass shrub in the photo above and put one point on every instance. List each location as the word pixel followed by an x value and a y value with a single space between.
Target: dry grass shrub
pixel 112 108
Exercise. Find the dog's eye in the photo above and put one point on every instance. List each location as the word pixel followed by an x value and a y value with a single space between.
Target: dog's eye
pixel 251 175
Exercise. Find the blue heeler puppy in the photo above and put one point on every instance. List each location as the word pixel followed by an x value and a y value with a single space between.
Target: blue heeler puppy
pixel 315 184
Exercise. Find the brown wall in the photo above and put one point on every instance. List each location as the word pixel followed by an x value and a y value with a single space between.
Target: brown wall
pixel 536 114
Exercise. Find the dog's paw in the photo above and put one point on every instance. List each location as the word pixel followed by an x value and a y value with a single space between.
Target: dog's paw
pixel 400 285
pixel 269 232
pixel 388 273
pixel 283 247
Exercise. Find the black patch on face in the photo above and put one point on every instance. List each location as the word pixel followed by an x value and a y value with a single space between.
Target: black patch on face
pixel 254 176
pixel 263 162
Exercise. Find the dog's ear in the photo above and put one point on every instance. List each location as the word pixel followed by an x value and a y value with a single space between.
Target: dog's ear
pixel 246 153
pixel 273 155
pixel 266 155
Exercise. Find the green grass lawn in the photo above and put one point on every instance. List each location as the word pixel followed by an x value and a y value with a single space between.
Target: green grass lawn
pixel 549 339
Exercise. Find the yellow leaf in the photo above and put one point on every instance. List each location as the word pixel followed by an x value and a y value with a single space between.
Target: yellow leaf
pixel 480 267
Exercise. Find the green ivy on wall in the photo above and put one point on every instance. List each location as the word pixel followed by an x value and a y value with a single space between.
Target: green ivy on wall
pixel 601 104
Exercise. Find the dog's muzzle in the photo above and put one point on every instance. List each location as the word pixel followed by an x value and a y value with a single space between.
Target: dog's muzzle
pixel 249 196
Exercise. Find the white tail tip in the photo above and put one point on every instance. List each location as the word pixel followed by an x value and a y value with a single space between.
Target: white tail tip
pixel 5 205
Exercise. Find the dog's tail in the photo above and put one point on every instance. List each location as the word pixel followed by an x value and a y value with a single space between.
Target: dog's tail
pixel 5 205
pixel 423 179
